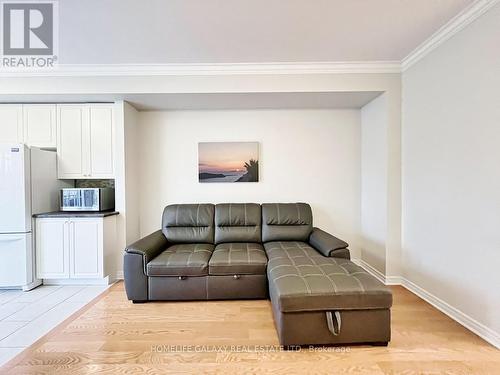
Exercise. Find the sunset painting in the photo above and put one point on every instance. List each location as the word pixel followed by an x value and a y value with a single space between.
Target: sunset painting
pixel 228 161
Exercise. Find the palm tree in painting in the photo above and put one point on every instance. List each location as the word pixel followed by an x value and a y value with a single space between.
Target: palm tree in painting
pixel 252 175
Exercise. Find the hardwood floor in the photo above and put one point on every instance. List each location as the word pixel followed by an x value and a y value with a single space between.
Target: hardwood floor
pixel 113 336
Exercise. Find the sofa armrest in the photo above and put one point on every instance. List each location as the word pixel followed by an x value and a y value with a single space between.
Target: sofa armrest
pixel 328 245
pixel 149 247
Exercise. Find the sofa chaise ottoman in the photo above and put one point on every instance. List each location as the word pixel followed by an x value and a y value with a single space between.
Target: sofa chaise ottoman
pixel 247 250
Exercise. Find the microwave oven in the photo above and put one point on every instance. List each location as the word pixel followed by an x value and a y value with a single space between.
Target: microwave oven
pixel 87 199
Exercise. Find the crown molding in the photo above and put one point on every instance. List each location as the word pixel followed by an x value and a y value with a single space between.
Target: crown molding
pixel 457 23
pixel 82 70
pixel 464 18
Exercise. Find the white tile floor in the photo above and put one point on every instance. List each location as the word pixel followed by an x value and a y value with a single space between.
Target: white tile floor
pixel 27 316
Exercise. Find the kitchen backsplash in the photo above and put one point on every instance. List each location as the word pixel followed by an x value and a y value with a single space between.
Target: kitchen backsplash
pixel 95 183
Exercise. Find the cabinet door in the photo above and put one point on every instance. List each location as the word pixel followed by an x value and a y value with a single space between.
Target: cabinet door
pixel 101 141
pixel 52 248
pixel 39 125
pixel 72 141
pixel 86 248
pixel 11 123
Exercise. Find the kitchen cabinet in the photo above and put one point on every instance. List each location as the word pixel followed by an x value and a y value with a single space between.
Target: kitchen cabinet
pixel 85 141
pixel 101 142
pixel 11 123
pixel 75 249
pixel 52 249
pixel 32 124
pixel 82 133
pixel 72 130
pixel 39 125
pixel 86 255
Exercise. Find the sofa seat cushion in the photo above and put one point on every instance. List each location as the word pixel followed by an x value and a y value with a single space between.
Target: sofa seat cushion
pixel 238 258
pixel 182 260
pixel 289 249
pixel 301 279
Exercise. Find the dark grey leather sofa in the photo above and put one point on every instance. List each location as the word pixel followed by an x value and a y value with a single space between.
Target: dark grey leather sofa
pixel 247 250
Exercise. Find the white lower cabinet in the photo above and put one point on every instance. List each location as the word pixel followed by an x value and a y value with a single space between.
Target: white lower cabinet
pixel 75 250
pixel 52 248
pixel 86 249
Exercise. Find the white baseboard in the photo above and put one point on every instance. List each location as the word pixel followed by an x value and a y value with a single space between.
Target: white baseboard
pixel 393 280
pixel 468 322
pixel 119 275
pixel 371 270
pixel 101 281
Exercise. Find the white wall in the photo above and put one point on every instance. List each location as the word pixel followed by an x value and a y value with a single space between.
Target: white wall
pixel 120 186
pixel 132 183
pixel 374 183
pixel 451 173
pixel 305 155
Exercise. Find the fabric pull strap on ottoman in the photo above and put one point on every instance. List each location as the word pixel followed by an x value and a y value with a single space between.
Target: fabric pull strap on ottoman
pixel 334 322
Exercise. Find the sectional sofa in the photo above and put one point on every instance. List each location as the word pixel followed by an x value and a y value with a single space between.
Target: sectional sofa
pixel 247 250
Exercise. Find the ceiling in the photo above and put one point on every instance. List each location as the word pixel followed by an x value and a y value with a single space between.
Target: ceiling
pixel 256 100
pixel 288 100
pixel 246 31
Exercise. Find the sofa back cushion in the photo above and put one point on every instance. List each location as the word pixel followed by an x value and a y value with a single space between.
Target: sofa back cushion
pixel 238 222
pixel 189 223
pixel 286 222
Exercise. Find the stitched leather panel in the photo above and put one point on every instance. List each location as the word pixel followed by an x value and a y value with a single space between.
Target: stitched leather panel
pixel 238 259
pixel 301 279
pixel 286 222
pixel 238 222
pixel 189 223
pixel 182 260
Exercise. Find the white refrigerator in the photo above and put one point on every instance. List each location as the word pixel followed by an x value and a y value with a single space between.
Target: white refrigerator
pixel 28 185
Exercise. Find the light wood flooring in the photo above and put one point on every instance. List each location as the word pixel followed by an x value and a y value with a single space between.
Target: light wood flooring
pixel 113 336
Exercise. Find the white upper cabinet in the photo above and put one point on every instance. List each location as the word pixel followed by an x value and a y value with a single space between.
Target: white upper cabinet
pixel 101 141
pixel 85 141
pixel 39 122
pixel 32 124
pixel 11 123
pixel 82 133
pixel 72 128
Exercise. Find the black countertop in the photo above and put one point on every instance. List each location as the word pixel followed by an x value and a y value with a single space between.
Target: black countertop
pixel 76 214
